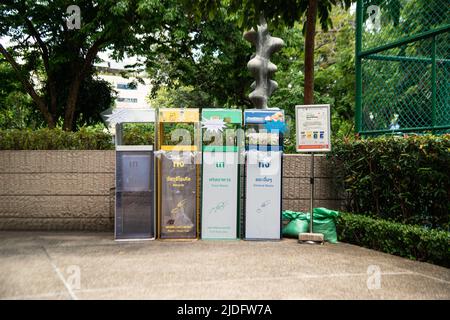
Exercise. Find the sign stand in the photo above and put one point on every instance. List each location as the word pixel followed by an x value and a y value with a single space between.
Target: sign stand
pixel 312 193
pixel 263 168
pixel 178 173
pixel 220 174
pixel 313 135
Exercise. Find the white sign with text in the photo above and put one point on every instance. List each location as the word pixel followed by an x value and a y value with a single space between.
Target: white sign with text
pixel 220 195
pixel 313 128
pixel 263 195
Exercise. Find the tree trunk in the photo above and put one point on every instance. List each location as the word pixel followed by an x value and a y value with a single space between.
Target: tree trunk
pixel 309 52
pixel 71 104
pixel 74 89
pixel 53 97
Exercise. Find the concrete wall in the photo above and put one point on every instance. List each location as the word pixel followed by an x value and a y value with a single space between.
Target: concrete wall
pixel 73 190
pixel 296 183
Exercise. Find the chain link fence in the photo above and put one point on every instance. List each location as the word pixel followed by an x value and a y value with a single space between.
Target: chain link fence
pixel 402 66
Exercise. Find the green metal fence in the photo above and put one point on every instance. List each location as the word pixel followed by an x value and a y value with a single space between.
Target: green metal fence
pixel 402 66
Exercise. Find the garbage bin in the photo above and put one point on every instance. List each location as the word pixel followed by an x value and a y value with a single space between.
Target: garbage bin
pixel 134 206
pixel 220 173
pixel 178 168
pixel 263 170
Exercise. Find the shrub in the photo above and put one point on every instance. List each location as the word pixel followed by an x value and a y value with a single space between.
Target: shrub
pixel 172 135
pixel 413 242
pixel 404 179
pixel 138 133
pixel 55 139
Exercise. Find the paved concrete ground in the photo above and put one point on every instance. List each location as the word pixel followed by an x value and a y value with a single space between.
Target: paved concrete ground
pixel 45 266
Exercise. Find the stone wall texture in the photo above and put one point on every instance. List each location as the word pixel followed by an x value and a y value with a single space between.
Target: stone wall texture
pixel 74 190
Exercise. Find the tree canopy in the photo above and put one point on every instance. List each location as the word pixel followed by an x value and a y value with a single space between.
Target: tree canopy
pixel 334 64
pixel 193 50
pixel 280 12
pixel 54 63
pixel 209 56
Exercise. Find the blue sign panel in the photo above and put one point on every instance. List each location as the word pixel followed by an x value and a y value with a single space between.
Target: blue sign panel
pixel 271 120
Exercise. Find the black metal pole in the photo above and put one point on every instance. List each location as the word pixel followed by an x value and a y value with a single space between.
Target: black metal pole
pixel 312 193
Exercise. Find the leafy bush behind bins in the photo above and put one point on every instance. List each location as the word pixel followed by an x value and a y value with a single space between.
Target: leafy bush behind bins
pixel 404 179
pixel 55 139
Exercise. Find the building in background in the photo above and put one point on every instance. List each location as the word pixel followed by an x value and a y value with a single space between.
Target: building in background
pixel 131 92
pixel 132 87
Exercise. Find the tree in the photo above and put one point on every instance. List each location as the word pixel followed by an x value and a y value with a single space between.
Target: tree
pixel 15 104
pixel 278 12
pixel 52 52
pixel 334 72
pixel 200 63
pixel 217 82
pixel 181 96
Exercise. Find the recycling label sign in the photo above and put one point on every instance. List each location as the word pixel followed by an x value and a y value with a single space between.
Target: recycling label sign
pixel 313 128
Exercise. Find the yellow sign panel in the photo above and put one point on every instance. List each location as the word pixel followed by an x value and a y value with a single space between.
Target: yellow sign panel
pixel 179 115
pixel 179 148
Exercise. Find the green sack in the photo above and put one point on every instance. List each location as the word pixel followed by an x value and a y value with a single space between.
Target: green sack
pixel 291 215
pixel 326 227
pixel 324 213
pixel 324 223
pixel 294 227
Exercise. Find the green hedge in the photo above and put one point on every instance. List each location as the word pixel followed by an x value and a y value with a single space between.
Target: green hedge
pixel 86 138
pixel 404 179
pixel 55 139
pixel 408 241
pixel 138 133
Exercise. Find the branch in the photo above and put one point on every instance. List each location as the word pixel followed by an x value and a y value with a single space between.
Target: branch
pixel 157 41
pixel 90 55
pixel 76 82
pixel 37 37
pixel 27 85
pixel 45 59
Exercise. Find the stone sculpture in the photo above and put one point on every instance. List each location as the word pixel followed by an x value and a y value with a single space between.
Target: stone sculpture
pixel 260 65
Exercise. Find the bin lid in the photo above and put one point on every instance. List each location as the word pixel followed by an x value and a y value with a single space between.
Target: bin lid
pixel 228 115
pixel 265 116
pixel 113 116
pixel 186 115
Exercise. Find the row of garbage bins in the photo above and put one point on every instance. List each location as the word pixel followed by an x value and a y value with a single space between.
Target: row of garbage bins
pixel 214 175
